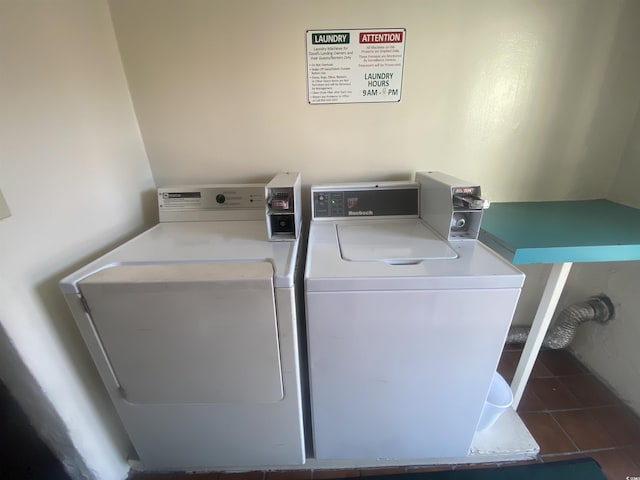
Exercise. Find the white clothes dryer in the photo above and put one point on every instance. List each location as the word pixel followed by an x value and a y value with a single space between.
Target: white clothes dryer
pixel 192 326
pixel 404 328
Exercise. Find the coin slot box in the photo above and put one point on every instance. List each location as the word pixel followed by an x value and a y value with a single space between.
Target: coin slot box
pixel 451 206
pixel 283 213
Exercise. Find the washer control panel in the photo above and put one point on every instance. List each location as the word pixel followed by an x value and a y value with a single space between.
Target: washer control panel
pixel 385 199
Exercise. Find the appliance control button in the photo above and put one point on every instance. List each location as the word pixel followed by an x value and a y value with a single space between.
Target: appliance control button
pixel 220 198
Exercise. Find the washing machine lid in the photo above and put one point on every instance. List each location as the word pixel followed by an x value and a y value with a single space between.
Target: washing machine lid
pixel 394 243
pixel 198 242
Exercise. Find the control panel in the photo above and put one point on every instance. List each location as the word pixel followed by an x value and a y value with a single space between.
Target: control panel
pixel 211 202
pixel 365 200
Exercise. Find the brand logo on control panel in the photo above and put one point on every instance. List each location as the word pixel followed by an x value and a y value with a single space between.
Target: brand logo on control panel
pixel 360 213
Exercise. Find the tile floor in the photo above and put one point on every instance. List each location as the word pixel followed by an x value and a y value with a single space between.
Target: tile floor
pixel 570 413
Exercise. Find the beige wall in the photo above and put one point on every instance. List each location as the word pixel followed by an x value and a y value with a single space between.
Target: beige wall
pixel 76 178
pixel 611 350
pixel 507 93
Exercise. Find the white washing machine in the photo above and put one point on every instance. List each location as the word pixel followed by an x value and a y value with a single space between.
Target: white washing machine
pixel 405 328
pixel 192 326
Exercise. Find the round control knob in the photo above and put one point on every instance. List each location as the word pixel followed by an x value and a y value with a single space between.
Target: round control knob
pixel 220 198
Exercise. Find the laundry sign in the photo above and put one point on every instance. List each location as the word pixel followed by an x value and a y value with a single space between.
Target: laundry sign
pixel 355 66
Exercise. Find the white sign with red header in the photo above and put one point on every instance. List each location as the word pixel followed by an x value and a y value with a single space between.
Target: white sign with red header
pixel 355 66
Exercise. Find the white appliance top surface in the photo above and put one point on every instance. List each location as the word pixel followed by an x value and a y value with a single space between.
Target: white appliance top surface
pixel 198 242
pixel 399 254
pixel 391 242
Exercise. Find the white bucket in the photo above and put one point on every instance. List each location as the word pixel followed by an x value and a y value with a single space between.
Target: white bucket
pixel 499 399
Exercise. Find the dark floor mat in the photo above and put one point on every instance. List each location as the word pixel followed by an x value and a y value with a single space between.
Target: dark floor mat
pixel 579 469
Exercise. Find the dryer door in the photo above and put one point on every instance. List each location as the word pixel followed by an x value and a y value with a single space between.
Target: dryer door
pixel 188 333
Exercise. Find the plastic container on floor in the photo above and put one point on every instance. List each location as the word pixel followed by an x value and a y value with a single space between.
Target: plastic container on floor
pixel 499 399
